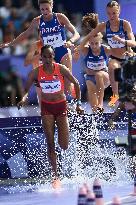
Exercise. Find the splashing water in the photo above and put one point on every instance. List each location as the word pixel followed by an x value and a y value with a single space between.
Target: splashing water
pixel 88 156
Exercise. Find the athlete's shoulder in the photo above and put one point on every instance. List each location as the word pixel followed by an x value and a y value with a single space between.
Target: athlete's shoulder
pixel 125 22
pixel 126 25
pixel 60 66
pixel 61 17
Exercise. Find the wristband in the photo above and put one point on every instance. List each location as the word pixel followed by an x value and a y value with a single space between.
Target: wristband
pixel 79 102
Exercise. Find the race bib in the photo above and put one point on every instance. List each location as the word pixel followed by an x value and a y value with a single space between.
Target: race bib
pixel 54 40
pixel 50 86
pixel 96 65
pixel 115 44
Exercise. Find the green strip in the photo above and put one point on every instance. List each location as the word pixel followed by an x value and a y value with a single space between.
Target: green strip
pixel 23 181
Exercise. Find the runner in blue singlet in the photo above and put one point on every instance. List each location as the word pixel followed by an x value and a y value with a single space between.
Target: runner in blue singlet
pixel 52 27
pixel 114 26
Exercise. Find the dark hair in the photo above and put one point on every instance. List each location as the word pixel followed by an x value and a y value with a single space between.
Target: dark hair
pixel 112 4
pixel 90 21
pixel 46 47
pixel 45 1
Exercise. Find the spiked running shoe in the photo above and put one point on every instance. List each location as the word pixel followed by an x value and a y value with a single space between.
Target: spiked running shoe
pixel 113 100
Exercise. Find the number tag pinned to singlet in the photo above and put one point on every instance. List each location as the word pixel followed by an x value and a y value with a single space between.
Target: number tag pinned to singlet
pixel 50 86
pixel 54 40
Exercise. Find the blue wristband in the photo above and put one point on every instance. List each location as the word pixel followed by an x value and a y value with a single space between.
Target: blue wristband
pixel 79 102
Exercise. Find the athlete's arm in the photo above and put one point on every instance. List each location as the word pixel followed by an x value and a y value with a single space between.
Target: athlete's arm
pixel 31 52
pixel 131 43
pixel 76 54
pixel 66 73
pixel 128 29
pixel 114 52
pixel 65 21
pixel 24 35
pixel 31 78
pixel 99 28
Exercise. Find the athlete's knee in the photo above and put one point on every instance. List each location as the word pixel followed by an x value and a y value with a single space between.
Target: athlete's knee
pixel 98 75
pixel 64 146
pixel 113 65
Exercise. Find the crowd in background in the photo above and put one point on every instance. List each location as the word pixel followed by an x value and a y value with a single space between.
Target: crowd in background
pixel 13 21
pixel 15 17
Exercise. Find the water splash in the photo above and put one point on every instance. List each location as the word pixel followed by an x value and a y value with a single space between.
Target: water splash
pixel 88 156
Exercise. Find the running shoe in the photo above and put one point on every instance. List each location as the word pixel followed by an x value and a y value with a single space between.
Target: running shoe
pixel 56 183
pixel 113 100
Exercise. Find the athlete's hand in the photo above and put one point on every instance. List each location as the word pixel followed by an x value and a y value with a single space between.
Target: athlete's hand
pixel 5 45
pixel 21 104
pixel 111 125
pixel 129 54
pixel 69 44
pixel 116 38
pixel 79 109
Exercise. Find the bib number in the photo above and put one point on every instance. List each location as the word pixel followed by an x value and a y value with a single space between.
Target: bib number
pixel 96 66
pixel 54 40
pixel 50 86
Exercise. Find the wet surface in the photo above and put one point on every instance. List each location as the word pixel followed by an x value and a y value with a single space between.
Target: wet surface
pixel 91 153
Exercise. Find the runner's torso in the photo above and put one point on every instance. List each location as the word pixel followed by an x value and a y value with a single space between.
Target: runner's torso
pixel 96 62
pixel 52 32
pixel 52 85
pixel 121 33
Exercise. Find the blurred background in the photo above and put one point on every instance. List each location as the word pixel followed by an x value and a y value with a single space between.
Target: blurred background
pixel 16 16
